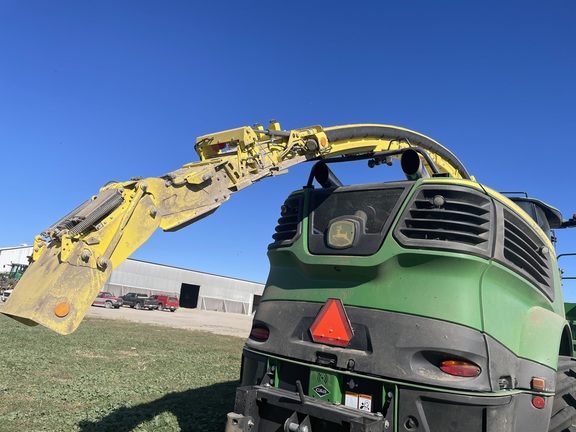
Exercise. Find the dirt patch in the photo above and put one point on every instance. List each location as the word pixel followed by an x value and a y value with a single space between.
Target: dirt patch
pixel 222 323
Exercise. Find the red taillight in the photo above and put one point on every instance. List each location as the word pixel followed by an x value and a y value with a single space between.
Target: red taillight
pixel 259 334
pixel 460 368
pixel 538 402
pixel 332 326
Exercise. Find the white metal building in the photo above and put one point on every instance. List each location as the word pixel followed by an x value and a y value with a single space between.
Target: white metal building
pixel 194 289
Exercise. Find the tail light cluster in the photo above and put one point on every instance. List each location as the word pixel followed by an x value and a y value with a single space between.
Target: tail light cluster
pixel 259 333
pixel 460 368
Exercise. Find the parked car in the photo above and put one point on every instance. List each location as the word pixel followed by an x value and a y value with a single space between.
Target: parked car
pixel 5 295
pixel 107 300
pixel 139 301
pixel 166 302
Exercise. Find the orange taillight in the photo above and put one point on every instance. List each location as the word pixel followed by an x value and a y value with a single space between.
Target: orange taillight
pixel 460 368
pixel 538 384
pixel 62 309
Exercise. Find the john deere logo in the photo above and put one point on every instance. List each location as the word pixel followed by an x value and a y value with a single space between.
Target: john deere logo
pixel 341 234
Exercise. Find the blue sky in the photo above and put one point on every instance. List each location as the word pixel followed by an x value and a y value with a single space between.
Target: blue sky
pixel 92 91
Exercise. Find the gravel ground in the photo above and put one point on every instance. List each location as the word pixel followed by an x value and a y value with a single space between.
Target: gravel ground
pixel 223 323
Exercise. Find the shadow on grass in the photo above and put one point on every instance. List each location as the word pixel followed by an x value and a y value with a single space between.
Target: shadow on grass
pixel 202 409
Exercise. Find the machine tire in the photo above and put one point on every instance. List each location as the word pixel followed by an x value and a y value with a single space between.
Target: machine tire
pixel 160 306
pixel 564 409
pixel 108 305
pixel 138 305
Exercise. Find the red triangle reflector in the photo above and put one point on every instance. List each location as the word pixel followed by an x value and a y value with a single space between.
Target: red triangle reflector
pixel 331 326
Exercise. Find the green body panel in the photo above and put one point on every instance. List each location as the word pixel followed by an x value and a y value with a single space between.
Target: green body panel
pixel 325 385
pixel 520 317
pixel 423 283
pixel 570 309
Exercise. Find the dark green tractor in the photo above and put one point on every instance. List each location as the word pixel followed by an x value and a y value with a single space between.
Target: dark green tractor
pixel 11 278
pixel 431 304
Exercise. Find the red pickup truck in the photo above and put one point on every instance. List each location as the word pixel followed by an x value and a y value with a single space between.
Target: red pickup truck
pixel 107 300
pixel 166 302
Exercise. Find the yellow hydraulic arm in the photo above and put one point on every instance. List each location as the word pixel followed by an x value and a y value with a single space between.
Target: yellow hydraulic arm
pixel 73 258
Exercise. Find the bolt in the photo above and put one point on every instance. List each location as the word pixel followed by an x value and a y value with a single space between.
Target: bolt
pixel 411 423
pixel 143 186
pixel 102 263
pixel 85 256
pixel 152 211
pixel 439 201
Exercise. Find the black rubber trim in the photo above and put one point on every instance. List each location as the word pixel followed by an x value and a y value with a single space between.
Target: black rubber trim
pixel 380 132
pixel 400 352
pixel 457 412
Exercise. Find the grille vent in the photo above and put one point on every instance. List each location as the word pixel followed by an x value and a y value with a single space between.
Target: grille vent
pixel 289 227
pixel 525 251
pixel 454 218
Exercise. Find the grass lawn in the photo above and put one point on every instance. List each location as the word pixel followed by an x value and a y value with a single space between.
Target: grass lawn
pixel 115 376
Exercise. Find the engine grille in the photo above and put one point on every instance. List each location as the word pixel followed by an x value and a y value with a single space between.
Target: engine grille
pixel 451 218
pixel 525 252
pixel 289 223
